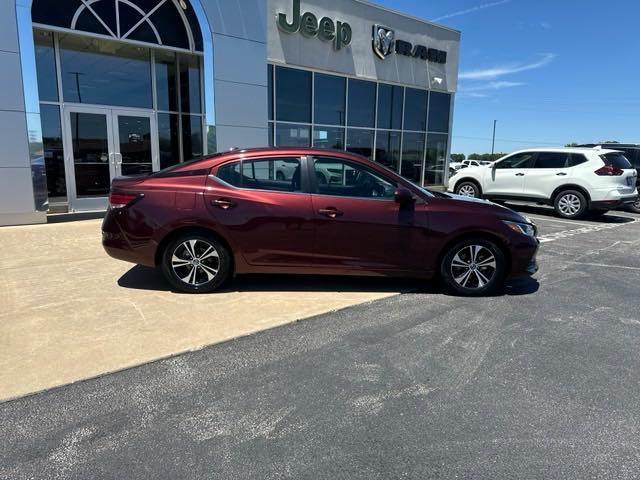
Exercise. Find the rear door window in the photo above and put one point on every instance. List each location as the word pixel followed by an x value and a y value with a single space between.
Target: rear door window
pixel 552 160
pixel 616 160
pixel 576 159
pixel 282 174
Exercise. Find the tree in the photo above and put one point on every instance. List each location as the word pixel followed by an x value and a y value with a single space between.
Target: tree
pixel 457 157
pixel 572 144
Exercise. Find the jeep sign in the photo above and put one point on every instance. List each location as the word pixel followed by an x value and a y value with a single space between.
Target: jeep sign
pixel 308 25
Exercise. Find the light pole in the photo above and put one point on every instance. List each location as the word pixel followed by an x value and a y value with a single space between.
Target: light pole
pixel 493 140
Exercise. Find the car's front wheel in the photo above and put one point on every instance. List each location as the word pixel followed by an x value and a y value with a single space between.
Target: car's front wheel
pixel 468 189
pixel 635 207
pixel 570 204
pixel 473 267
pixel 196 263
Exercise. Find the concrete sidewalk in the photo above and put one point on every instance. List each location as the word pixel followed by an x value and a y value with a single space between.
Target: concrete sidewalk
pixel 69 312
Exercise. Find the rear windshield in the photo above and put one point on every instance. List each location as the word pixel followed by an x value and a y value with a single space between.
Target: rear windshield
pixel 616 160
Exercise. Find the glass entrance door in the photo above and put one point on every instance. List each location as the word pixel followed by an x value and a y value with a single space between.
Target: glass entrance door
pixel 102 144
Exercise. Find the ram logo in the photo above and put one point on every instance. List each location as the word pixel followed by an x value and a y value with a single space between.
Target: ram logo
pixel 383 41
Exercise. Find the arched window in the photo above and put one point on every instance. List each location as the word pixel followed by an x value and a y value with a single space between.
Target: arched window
pixel 171 23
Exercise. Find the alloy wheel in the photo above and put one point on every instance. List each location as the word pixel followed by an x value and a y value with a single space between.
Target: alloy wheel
pixel 473 267
pixel 467 191
pixel 195 262
pixel 569 204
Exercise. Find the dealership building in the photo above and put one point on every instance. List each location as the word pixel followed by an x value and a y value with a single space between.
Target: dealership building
pixel 93 89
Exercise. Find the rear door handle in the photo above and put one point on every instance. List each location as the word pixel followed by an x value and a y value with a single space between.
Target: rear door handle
pixel 330 212
pixel 223 204
pixel 519 174
pixel 561 174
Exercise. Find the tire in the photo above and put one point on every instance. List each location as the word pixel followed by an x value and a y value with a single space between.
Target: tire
pixel 570 204
pixel 634 207
pixel 468 188
pixel 473 267
pixel 212 264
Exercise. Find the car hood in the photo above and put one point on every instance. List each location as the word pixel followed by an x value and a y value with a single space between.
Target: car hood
pixel 490 207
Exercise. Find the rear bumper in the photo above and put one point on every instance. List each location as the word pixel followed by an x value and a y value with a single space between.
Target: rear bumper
pixel 615 203
pixel 124 247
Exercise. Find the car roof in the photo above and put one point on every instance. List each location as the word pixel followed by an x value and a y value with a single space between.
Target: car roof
pixel 569 150
pixel 217 159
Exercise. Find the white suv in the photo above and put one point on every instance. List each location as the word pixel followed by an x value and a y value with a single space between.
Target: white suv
pixel 574 180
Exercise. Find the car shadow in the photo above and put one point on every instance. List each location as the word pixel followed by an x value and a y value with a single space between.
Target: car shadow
pixel 611 217
pixel 146 278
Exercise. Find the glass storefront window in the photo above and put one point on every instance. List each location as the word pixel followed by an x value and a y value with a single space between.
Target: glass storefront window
pixel 415 109
pixel 105 73
pixel 329 93
pixel 390 106
pixel 46 66
pixel 166 81
pixel 439 105
pixel 412 156
pixel 360 142
pixel 362 103
pixel 190 90
pixel 436 158
pixel 388 149
pixel 290 135
pixel 53 153
pixel 293 95
pixel 169 139
pixel 191 137
pixel 90 140
pixel 328 137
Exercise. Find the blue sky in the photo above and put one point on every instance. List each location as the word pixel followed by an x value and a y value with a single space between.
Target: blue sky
pixel 549 71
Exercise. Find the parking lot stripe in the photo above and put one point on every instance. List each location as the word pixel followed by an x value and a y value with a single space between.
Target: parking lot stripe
pixel 594 227
pixel 570 222
pixel 588 264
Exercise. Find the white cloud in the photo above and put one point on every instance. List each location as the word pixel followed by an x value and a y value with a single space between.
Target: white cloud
pixel 495 85
pixel 472 10
pixel 496 72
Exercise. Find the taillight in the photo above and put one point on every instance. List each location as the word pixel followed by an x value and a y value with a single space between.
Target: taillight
pixel 609 171
pixel 119 200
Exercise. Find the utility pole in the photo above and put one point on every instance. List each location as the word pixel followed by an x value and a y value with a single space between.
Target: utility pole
pixel 493 141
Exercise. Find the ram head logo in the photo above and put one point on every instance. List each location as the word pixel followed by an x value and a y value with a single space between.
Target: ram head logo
pixel 383 40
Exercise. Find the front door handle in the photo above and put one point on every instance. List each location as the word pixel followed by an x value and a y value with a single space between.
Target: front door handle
pixel 519 174
pixel 223 204
pixel 330 212
pixel 561 174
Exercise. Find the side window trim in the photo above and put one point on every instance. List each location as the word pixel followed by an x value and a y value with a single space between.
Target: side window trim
pixel 313 181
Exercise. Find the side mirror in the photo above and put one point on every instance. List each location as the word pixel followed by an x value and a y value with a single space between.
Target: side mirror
pixel 404 197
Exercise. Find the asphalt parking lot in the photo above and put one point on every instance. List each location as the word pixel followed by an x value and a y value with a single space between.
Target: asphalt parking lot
pixel 539 381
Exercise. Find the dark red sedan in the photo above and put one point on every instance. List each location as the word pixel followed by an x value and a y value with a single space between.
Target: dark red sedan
pixel 309 211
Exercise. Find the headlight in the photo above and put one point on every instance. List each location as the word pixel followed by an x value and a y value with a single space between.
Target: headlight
pixel 523 228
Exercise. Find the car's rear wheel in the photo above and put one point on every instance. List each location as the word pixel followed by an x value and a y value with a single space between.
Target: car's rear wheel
pixel 570 204
pixel 468 189
pixel 196 263
pixel 473 267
